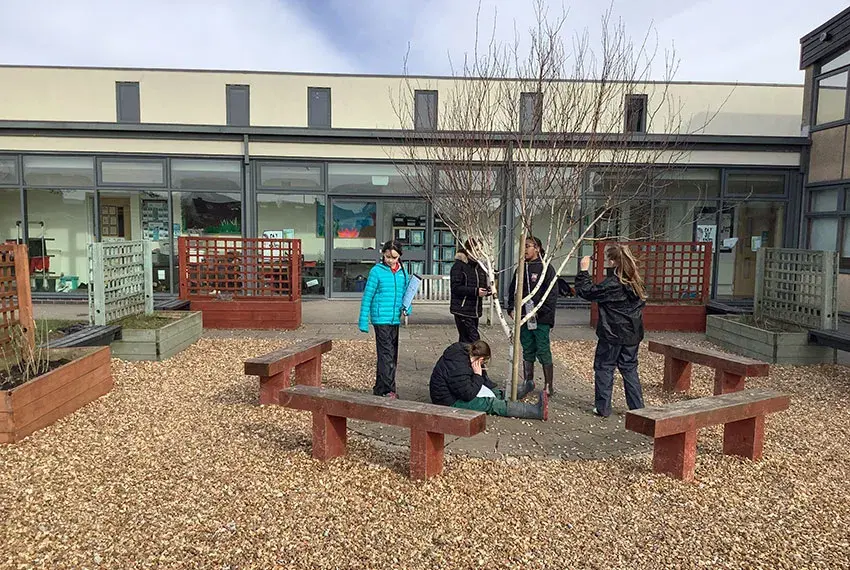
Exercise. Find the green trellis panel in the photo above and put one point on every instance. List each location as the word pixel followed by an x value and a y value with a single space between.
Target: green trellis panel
pixel 797 286
pixel 121 278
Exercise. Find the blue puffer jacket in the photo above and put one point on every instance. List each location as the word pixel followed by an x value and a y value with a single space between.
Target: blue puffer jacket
pixel 382 297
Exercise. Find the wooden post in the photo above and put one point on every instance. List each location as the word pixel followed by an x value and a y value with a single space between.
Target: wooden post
pixel 426 453
pixel 97 292
pixel 182 267
pixel 744 438
pixel 758 294
pixel 330 436
pixel 675 455
pixel 148 271
pixel 22 285
pixel 677 374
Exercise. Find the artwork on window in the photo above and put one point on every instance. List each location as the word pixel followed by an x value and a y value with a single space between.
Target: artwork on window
pixel 211 214
pixel 155 219
pixel 350 220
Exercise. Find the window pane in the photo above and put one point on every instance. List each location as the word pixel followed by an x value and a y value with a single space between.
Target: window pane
pixel 690 184
pixel 206 174
pixel 530 112
pixel 238 105
pixel 10 214
pixel 207 213
pixel 139 215
pixel 59 170
pixel 319 107
pixel 836 62
pixel 755 184
pixel 61 225
pixel 299 216
pixel 845 242
pixel 635 112
pixel 367 179
pixel 8 171
pixel 823 234
pixel 824 201
pixel 132 172
pixel 287 177
pixel 425 111
pixel 832 98
pixel 129 110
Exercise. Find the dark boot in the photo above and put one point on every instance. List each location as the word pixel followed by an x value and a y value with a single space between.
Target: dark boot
pixel 527 385
pixel 540 411
pixel 548 374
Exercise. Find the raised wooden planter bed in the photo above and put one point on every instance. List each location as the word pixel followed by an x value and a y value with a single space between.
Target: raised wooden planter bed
pixel 161 343
pixel 56 394
pixel 734 333
pixel 669 317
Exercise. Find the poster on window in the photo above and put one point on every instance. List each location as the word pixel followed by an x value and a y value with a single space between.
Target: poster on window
pixel 155 220
pixel 707 233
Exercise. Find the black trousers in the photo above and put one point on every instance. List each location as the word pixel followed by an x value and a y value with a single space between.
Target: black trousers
pixel 467 329
pixel 386 345
pixel 624 358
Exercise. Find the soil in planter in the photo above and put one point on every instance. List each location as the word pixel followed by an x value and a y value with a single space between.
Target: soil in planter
pixel 771 325
pixel 144 322
pixel 14 376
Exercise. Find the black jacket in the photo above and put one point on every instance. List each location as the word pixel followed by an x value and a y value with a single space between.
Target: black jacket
pixel 620 308
pixel 467 276
pixel 533 270
pixel 453 378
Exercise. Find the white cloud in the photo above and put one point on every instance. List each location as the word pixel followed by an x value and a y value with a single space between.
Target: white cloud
pixel 210 34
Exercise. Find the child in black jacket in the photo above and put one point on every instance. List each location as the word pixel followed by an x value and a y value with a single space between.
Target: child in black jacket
pixel 620 299
pixel 459 375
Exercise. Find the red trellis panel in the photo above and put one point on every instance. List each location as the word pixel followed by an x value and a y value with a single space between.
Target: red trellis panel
pixel 677 276
pixel 242 282
pixel 15 298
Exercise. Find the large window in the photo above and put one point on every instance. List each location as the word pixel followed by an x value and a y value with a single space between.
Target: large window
pixel 831 90
pixel 201 174
pixel 290 176
pixel 59 171
pixel 208 213
pixel 368 179
pixel 828 224
pixel 298 216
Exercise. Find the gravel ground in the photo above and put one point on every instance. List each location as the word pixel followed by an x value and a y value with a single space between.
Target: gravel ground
pixel 179 468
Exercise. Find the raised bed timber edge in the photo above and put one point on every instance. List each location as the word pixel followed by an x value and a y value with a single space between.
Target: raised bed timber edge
pixel 161 343
pixel 250 314
pixel 680 318
pixel 56 394
pixel 734 334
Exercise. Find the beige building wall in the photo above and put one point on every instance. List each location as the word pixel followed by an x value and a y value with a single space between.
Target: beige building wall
pixel 366 102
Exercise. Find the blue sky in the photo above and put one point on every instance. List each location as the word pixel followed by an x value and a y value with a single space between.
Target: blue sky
pixel 714 40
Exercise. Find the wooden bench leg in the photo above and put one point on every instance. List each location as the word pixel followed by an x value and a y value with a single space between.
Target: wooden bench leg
pixel 309 373
pixel 426 453
pixel 330 436
pixel 675 455
pixel 270 386
pixel 724 382
pixel 677 374
pixel 744 438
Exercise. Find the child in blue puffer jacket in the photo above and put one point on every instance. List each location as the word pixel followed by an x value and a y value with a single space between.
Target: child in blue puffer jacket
pixel 382 305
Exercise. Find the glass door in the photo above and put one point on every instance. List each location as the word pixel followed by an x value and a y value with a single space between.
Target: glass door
pixel 354 244
pixel 406 221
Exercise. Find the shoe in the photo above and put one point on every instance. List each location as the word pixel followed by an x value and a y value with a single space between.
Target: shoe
pixel 391 395
pixel 596 413
pixel 539 411
pixel 548 378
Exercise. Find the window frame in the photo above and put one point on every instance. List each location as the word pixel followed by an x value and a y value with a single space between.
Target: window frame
pixel 432 114
pixel 536 126
pixel 120 99
pixel 841 213
pixel 312 119
pixel 232 115
pixel 820 75
pixel 627 110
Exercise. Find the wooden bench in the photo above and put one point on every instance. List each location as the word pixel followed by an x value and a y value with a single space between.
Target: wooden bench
pixel 102 335
pixel 172 305
pixel 275 368
pixel 674 427
pixel 428 423
pixel 730 369
pixel 719 308
pixel 832 339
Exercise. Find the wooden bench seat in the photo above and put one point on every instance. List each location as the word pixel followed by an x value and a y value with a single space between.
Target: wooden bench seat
pixel 428 423
pixel 731 370
pixel 275 368
pixel 96 335
pixel 172 305
pixel 674 427
pixel 833 339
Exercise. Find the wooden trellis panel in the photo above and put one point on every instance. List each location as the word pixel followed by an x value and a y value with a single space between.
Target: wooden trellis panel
pixel 797 286
pixel 239 268
pixel 676 273
pixel 121 277
pixel 16 316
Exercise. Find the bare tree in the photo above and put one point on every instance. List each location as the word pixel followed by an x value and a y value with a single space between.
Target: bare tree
pixel 532 124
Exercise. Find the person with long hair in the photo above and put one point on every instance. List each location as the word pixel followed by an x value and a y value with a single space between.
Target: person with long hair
pixel 460 380
pixel 534 336
pixel 382 305
pixel 469 285
pixel 620 298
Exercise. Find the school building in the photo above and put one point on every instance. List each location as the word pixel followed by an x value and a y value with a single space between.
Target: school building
pixel 90 154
